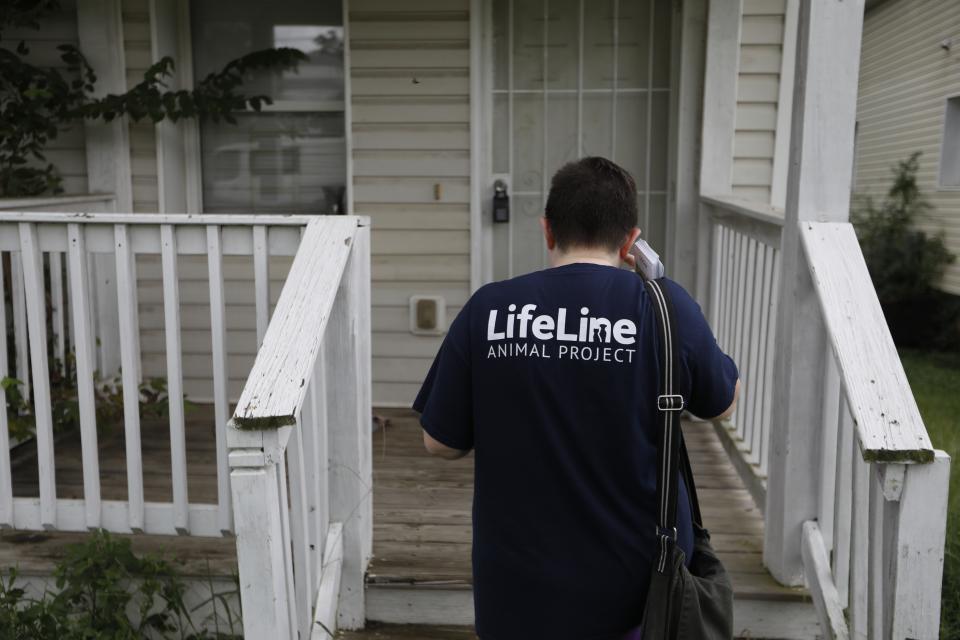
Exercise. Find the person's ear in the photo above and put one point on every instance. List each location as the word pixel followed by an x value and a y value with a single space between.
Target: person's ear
pixel 548 233
pixel 629 239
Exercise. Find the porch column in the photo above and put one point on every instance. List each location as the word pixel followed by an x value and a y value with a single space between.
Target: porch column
pixel 719 120
pixel 687 64
pixel 818 188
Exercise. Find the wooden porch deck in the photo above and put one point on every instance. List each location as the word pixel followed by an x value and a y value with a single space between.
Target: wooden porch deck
pixel 422 524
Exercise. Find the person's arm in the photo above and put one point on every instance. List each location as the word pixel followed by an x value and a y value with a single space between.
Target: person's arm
pixel 713 380
pixel 445 401
pixel 733 405
pixel 441 450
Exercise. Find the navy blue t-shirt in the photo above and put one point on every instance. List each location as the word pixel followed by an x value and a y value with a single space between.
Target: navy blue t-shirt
pixel 552 379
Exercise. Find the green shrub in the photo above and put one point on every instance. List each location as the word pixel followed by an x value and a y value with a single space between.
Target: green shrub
pixel 100 583
pixel 905 262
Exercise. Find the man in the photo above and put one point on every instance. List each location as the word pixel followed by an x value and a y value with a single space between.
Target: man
pixel 552 379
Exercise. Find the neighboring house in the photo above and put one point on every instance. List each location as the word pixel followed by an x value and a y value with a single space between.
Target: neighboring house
pixel 910 101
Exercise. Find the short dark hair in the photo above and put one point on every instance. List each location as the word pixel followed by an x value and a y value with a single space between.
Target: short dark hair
pixel 592 203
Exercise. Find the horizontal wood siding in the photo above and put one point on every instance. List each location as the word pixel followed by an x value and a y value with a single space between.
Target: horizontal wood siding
pixel 905 78
pixel 758 86
pixel 409 72
pixel 67 153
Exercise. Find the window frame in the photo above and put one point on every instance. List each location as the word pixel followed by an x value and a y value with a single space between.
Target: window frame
pixel 946 129
pixel 170 23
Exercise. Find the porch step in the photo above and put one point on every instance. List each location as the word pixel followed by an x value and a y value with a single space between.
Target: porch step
pixel 391 606
pixel 383 631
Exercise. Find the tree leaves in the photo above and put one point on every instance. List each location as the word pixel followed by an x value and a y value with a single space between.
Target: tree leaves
pixel 37 103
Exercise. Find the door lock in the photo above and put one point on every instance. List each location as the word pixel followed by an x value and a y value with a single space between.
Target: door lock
pixel 501 202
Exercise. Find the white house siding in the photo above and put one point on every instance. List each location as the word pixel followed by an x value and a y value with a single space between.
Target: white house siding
pixel 143 151
pixel 409 74
pixel 758 87
pixel 67 153
pixel 905 78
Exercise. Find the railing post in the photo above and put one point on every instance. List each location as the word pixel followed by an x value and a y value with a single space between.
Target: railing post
pixel 255 486
pixel 916 555
pixel 348 388
pixel 818 188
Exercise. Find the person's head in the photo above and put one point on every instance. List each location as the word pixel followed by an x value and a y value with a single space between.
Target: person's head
pixel 591 209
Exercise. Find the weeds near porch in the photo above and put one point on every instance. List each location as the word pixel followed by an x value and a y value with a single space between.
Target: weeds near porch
pixel 106 591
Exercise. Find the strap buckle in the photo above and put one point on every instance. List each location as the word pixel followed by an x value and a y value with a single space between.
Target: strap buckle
pixel 670 402
pixel 669 533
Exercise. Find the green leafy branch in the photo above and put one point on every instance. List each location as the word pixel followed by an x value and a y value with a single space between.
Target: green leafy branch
pixel 38 103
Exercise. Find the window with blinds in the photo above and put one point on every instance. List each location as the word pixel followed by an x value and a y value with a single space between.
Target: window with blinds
pixel 290 157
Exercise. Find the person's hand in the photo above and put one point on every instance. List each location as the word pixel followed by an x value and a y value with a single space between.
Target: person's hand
pixel 630 261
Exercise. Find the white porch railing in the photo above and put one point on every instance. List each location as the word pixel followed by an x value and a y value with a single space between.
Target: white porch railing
pixel 873 557
pixel 743 291
pixel 299 445
pixel 81 243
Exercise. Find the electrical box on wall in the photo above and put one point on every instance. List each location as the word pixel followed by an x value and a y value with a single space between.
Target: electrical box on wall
pixel 428 315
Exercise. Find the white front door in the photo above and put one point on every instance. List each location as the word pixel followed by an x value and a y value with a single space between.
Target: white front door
pixel 572 78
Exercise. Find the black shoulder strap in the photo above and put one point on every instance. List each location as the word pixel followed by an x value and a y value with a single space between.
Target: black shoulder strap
pixel 671 451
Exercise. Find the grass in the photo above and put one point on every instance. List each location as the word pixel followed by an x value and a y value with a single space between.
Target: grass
pixel 935 380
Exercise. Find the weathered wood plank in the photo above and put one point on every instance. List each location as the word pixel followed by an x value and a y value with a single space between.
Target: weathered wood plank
pixel 218 339
pixel 171 316
pixel 888 423
pixel 261 277
pixel 129 350
pixel 84 362
pixel 260 553
pixel 824 592
pixel 32 263
pixel 6 481
pixel 277 382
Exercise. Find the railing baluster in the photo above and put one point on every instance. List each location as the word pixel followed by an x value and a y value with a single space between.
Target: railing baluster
pixel 20 342
pixel 57 309
pixel 759 390
pixel 83 352
pixel 218 339
pixel 171 321
pixel 729 292
pixel 284 495
pixel 6 482
pixel 746 326
pixel 828 449
pixel 318 400
pixel 875 562
pixel 126 301
pixel 34 288
pixel 859 537
pixel 299 529
pixel 716 259
pixel 307 425
pixel 755 382
pixel 768 368
pixel 843 503
pixel 261 277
